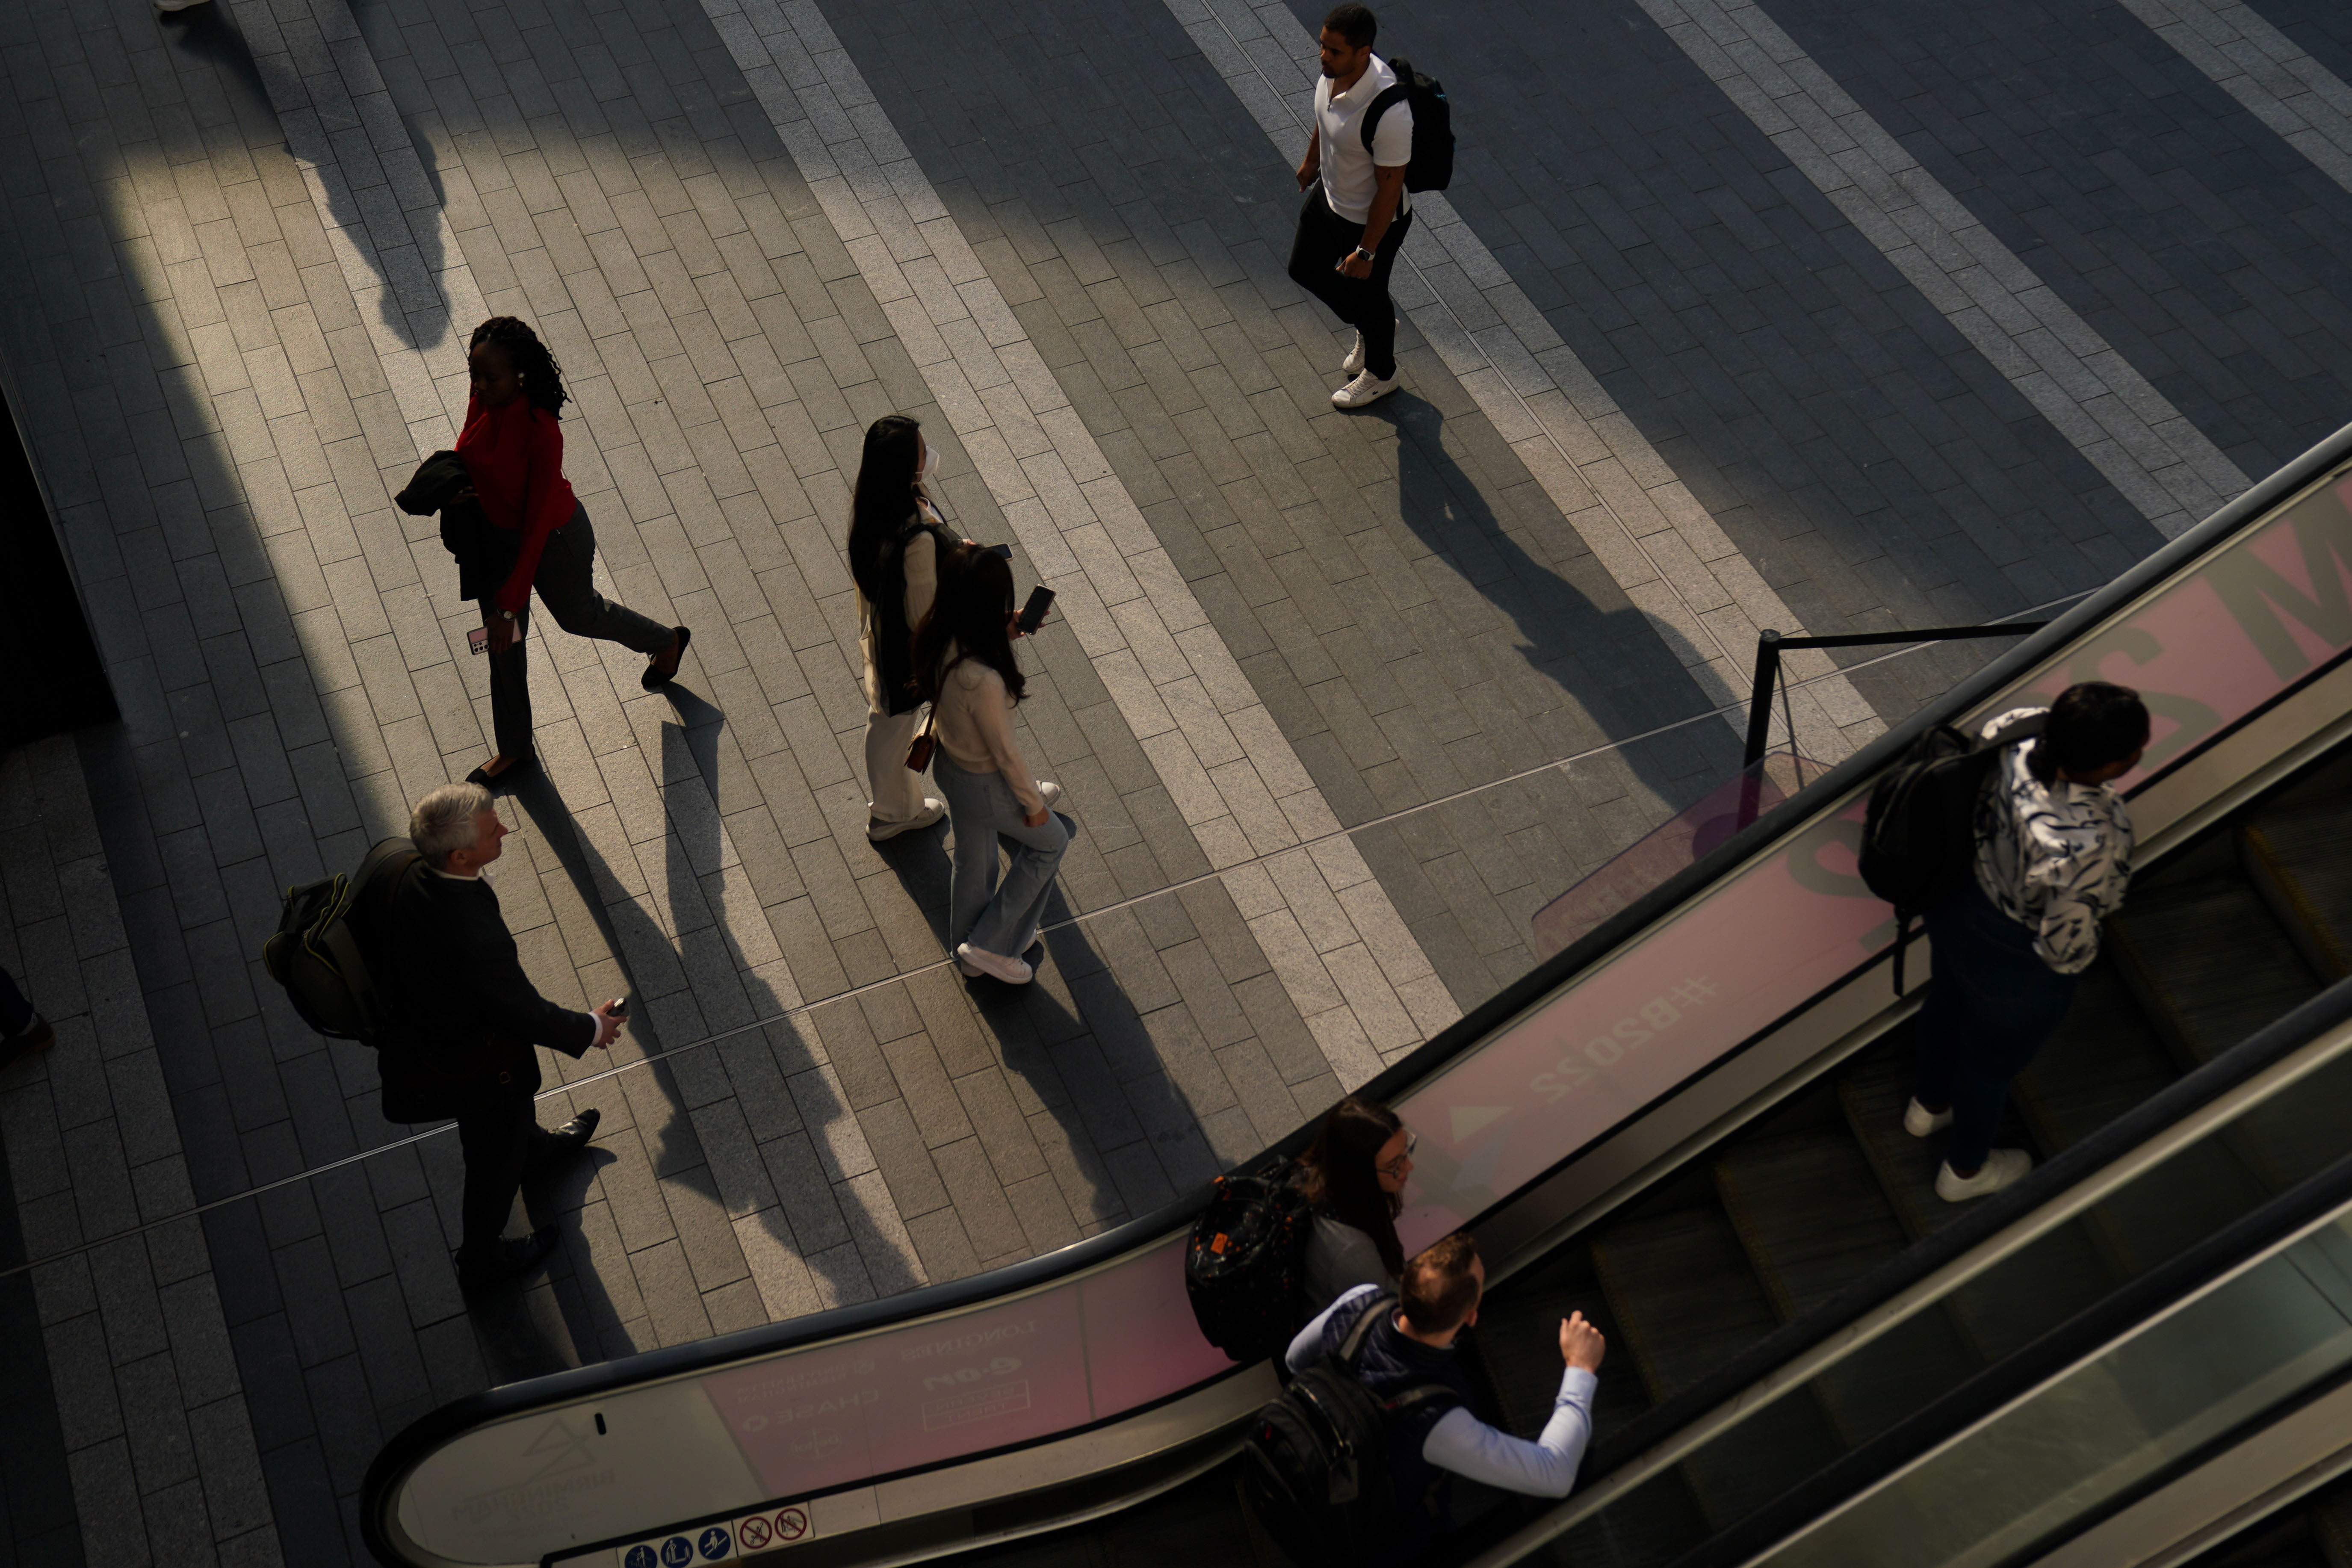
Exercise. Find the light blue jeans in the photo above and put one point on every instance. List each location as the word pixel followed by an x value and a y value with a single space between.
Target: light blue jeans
pixel 995 917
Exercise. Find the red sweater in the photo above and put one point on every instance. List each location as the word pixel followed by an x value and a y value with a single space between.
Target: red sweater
pixel 514 455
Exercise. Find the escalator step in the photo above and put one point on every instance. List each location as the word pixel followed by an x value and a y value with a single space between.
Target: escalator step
pixel 2103 1060
pixel 1810 1213
pixel 2208 961
pixel 1682 1292
pixel 2299 850
pixel 1874 1093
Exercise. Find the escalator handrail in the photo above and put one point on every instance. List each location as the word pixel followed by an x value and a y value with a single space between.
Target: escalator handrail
pixel 2072 1343
pixel 413 1443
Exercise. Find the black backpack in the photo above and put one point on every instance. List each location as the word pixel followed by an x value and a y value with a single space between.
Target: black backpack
pixel 1244 1266
pixel 1431 167
pixel 1318 1472
pixel 1920 839
pixel 315 955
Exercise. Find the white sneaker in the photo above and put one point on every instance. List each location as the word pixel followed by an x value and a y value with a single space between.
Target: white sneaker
pixel 1355 360
pixel 2002 1168
pixel 877 830
pixel 1050 791
pixel 1365 389
pixel 980 961
pixel 1919 1121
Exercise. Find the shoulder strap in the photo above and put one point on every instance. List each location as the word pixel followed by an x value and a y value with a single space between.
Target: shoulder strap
pixel 1352 1347
pixel 2017 730
pixel 1380 105
pixel 1423 1394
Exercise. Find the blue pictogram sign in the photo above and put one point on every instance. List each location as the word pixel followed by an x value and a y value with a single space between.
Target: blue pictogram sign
pixel 712 1543
pixel 639 1557
pixel 677 1552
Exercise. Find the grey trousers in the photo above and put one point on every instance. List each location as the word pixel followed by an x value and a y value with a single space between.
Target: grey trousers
pixel 566 585
pixel 998 917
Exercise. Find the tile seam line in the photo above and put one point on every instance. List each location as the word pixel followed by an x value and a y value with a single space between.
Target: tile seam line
pixel 856 991
pixel 1516 396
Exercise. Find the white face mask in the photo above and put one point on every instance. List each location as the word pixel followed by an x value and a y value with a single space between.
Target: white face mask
pixel 930 463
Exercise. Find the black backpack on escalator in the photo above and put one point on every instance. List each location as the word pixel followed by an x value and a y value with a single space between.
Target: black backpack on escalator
pixel 1316 1463
pixel 1245 1266
pixel 1920 839
pixel 1431 167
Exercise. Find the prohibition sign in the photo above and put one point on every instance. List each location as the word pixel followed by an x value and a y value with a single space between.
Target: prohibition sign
pixel 791 1523
pixel 753 1533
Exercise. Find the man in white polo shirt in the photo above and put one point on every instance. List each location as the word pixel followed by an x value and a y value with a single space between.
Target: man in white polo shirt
pixel 1355 213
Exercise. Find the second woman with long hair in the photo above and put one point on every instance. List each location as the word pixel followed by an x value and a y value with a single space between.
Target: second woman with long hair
pixel 1353 1176
pixel 964 660
pixel 895 543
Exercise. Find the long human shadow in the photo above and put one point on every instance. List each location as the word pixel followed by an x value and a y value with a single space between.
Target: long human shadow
pixel 1072 1038
pixel 401 244
pixel 808 1217
pixel 1617 665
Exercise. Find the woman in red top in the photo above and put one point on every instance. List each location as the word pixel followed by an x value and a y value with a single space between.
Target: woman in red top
pixel 513 451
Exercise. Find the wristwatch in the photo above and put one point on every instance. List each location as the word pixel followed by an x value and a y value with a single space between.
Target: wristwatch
pixel 508 613
pixel 1367 255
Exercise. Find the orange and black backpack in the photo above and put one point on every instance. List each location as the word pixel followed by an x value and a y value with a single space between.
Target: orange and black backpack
pixel 1245 1266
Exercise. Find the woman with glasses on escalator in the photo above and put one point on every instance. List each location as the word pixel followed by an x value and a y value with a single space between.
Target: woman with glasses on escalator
pixel 1353 1175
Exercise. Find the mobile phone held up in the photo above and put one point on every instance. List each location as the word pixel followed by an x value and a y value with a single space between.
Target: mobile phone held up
pixel 1033 613
pixel 478 639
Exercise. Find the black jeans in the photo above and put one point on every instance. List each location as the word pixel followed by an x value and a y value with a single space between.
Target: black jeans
pixel 1324 237
pixel 567 586
pixel 1991 1006
pixel 498 1142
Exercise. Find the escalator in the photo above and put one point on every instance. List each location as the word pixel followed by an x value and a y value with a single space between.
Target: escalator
pixel 1687 1125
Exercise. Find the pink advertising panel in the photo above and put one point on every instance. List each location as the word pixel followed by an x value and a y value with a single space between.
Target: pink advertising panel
pixel 2255 619
pixel 1051 1361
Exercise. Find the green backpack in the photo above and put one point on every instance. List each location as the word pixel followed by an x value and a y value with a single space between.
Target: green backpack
pixel 315 954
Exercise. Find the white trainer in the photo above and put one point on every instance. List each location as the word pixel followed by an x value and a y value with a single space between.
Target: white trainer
pixel 1051 793
pixel 2002 1168
pixel 1012 971
pixel 1919 1121
pixel 877 830
pixel 1367 388
pixel 1355 360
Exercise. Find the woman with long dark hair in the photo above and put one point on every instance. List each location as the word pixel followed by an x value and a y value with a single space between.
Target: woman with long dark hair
pixel 964 660
pixel 513 451
pixel 1353 1175
pixel 896 539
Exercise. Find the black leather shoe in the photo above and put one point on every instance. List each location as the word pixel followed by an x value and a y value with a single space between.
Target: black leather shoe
pixel 504 776
pixel 37 1034
pixel 554 1147
pixel 653 679
pixel 510 1257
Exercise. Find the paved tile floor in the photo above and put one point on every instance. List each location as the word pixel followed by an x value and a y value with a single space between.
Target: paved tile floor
pixel 1339 701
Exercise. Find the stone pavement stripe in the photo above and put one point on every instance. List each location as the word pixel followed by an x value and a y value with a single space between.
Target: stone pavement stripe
pixel 2277 80
pixel 1137 619
pixel 1621 497
pixel 157 1441
pixel 2127 429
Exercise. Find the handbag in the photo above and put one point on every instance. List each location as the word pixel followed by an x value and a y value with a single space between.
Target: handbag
pixel 919 754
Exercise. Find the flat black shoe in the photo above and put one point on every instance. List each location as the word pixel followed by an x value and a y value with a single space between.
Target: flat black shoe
pixel 508 774
pixel 510 1258
pixel 564 1141
pixel 37 1034
pixel 653 679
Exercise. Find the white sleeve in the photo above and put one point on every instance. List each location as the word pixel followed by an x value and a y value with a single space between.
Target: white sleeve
pixel 1392 137
pixel 1306 1344
pixel 1466 1445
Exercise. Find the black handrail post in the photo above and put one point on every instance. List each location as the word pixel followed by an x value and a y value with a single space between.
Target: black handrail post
pixel 1759 724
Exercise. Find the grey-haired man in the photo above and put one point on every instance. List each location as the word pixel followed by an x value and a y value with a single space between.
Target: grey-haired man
pixel 464 1017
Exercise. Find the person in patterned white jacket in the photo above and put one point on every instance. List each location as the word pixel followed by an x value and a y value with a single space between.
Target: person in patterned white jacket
pixel 2054 859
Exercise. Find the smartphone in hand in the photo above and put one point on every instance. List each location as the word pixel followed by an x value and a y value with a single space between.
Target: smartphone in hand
pixel 1003 552
pixel 478 639
pixel 1033 613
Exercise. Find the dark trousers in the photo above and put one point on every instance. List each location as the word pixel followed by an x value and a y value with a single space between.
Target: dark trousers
pixel 498 1142
pixel 566 585
pixel 1990 1008
pixel 15 1011
pixel 1324 237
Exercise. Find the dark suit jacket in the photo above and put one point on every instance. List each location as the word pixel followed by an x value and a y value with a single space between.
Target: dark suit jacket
pixel 463 1015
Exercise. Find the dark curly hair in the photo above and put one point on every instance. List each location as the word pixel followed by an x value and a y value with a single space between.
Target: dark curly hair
pixel 543 378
